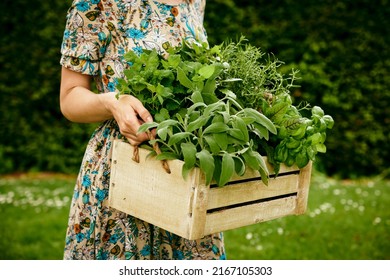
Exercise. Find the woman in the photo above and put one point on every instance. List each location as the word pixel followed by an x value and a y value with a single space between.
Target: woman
pixel 97 35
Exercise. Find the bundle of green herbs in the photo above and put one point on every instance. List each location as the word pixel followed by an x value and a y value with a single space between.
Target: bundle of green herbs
pixel 222 109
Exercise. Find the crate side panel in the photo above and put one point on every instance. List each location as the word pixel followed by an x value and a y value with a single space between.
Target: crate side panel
pixel 146 191
pixel 250 214
pixel 251 191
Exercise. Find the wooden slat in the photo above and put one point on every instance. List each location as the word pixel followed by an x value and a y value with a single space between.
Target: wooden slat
pixel 250 214
pixel 199 207
pixel 146 191
pixel 303 189
pixel 251 191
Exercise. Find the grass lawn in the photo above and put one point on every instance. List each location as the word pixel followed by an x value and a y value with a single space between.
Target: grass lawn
pixel 345 220
pixel 34 212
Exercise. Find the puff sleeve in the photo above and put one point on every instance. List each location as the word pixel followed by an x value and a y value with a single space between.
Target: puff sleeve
pixel 85 38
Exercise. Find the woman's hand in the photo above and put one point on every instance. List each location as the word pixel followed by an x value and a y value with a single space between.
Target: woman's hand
pixel 129 113
pixel 79 104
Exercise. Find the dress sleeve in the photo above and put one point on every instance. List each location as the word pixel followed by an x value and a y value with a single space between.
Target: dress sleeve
pixel 85 39
pixel 202 8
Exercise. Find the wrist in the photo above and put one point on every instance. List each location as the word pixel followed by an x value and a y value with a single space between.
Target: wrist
pixel 109 102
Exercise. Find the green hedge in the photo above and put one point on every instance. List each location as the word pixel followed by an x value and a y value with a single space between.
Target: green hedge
pixel 342 51
pixel 340 47
pixel 34 134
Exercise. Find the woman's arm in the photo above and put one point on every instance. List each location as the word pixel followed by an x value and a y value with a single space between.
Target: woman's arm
pixel 79 104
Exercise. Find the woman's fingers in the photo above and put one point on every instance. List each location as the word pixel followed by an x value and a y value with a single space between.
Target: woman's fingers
pixel 130 115
pixel 140 110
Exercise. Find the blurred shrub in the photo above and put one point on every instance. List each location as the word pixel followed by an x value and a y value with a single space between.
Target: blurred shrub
pixel 340 47
pixel 342 51
pixel 34 134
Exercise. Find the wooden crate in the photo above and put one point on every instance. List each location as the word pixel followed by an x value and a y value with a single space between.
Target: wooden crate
pixel 190 208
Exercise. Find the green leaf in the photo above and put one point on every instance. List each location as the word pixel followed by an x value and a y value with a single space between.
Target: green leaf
pixel 163 133
pixel 162 115
pixel 217 168
pixel 213 144
pixel 292 124
pixel 123 87
pixel 262 168
pixel 251 160
pixel 255 161
pixel 206 164
pixel 240 124
pixel 167 123
pixel 226 116
pixel 163 91
pixel 311 153
pixel 277 111
pixel 195 106
pixel 131 56
pixel 177 137
pixel 302 159
pixel 196 124
pixel 174 61
pixel 209 98
pixel 227 170
pixel 264 176
pixel 213 107
pixel 248 120
pixel 239 165
pixel 151 88
pixel 218 118
pixel 185 170
pixel 228 93
pixel 261 131
pixel 233 142
pixel 167 156
pixel 316 110
pixel 328 121
pixel 183 79
pixel 321 148
pixel 147 126
pixel 196 97
pixel 281 153
pixel 292 143
pixel 261 119
pixel 207 71
pixel 290 161
pixel 139 86
pixel 236 133
pixel 189 154
pixel 209 86
pixel 216 128
pixel 221 139
pixel 315 138
pixel 164 128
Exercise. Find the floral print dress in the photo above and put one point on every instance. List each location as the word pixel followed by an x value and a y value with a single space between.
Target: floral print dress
pixel 97 35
